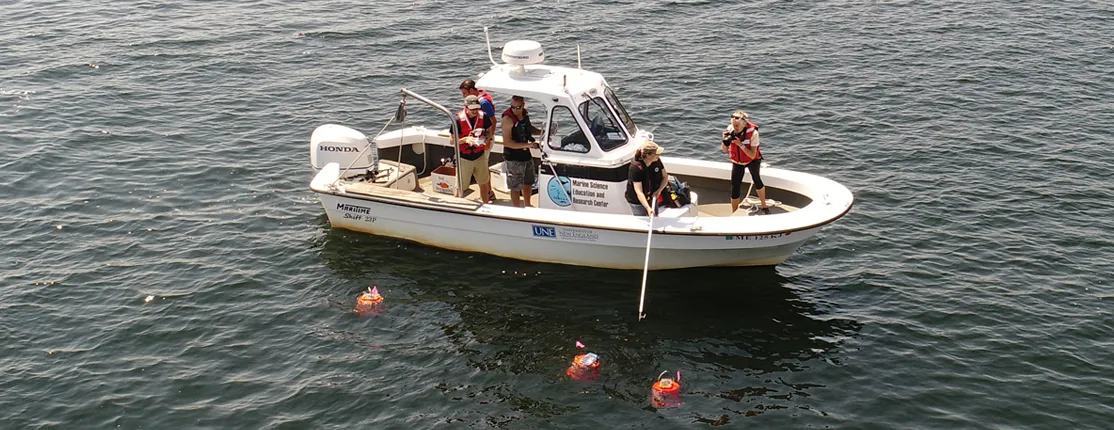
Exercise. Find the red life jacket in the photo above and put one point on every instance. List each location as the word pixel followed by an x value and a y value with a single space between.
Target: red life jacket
pixel 510 112
pixel 737 154
pixel 486 96
pixel 467 130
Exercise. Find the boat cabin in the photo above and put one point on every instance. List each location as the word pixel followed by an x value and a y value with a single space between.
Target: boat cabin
pixel 588 139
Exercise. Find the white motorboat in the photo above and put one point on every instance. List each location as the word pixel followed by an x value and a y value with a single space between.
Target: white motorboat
pixel 395 185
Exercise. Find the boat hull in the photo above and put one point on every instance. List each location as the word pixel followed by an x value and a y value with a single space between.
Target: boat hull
pixel 581 245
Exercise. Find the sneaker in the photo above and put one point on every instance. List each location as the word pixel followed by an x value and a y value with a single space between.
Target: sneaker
pixel 765 211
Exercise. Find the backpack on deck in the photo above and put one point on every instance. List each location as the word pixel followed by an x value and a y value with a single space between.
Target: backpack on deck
pixel 675 194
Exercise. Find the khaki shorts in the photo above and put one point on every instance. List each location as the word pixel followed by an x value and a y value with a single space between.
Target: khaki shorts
pixel 477 168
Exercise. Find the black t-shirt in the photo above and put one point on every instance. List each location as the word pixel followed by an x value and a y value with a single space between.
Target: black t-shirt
pixel 650 177
pixel 487 124
pixel 520 132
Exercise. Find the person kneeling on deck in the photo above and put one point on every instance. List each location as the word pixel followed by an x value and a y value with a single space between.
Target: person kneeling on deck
pixel 477 133
pixel 518 163
pixel 646 178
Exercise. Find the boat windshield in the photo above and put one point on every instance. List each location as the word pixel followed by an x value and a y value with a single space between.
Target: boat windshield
pixel 623 115
pixel 563 133
pixel 602 124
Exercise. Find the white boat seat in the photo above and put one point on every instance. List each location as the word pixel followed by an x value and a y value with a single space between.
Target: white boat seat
pixel 396 175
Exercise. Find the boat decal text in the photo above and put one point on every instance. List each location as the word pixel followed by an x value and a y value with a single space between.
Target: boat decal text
pixel 543 231
pixel 356 213
pixel 578 234
pixel 759 236
pixel 590 193
pixel 337 148
pixel 353 208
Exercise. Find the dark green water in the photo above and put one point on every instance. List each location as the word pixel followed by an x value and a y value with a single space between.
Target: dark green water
pixel 162 150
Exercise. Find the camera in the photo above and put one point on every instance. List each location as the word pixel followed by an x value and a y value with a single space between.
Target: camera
pixel 728 137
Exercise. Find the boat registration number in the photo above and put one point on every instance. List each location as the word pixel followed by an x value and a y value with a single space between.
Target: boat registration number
pixel 758 236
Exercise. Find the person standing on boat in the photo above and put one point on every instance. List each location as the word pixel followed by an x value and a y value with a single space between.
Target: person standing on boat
pixel 740 141
pixel 518 163
pixel 646 178
pixel 468 88
pixel 477 132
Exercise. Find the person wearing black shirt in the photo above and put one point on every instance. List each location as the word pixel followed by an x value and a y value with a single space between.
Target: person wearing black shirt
pixel 518 163
pixel 646 178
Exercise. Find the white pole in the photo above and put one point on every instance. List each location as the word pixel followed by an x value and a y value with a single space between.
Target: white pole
pixel 646 264
pixel 489 56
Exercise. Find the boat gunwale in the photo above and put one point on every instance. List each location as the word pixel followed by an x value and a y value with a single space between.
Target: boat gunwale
pixel 476 212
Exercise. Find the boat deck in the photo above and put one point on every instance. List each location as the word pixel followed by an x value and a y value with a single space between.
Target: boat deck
pixel 712 202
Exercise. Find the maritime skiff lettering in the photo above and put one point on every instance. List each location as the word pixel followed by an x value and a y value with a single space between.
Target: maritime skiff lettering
pixel 353 208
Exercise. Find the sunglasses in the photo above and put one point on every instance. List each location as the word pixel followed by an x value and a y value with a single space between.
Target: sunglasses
pixel 516 107
pixel 737 117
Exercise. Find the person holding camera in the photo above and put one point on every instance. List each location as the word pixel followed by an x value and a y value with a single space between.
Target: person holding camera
pixel 740 141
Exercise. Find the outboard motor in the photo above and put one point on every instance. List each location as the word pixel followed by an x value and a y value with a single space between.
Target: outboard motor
pixel 331 143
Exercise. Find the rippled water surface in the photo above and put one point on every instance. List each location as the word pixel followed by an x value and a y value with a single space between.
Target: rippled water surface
pixel 160 150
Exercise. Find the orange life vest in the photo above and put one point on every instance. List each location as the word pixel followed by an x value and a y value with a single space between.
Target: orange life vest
pixel 484 95
pixel 467 128
pixel 737 154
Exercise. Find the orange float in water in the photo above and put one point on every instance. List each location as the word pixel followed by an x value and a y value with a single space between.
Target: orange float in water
pixel 368 300
pixel 585 367
pixel 666 393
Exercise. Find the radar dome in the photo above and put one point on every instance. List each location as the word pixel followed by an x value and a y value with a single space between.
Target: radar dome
pixel 523 52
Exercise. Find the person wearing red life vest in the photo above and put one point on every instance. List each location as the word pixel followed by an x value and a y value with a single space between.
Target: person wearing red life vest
pixel 477 132
pixel 740 141
pixel 487 103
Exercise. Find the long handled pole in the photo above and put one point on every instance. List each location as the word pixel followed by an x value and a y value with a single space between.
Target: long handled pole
pixel 646 264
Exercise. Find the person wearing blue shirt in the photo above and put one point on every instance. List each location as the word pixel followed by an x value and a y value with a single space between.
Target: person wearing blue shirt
pixel 487 104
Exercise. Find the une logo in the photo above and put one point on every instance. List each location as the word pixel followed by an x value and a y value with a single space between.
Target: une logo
pixel 558 196
pixel 543 231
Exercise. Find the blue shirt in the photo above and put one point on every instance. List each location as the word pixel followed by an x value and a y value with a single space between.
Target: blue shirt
pixel 488 108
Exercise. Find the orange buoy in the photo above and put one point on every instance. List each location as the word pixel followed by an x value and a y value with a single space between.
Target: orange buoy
pixel 667 385
pixel 368 300
pixel 585 367
pixel 666 392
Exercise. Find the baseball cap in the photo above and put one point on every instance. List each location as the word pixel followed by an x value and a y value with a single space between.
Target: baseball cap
pixel 472 102
pixel 651 148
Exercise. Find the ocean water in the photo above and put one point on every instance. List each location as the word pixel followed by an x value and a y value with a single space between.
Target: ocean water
pixel 160 150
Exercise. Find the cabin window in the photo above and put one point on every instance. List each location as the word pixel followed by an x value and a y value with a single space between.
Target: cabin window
pixel 623 115
pixel 601 123
pixel 564 133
